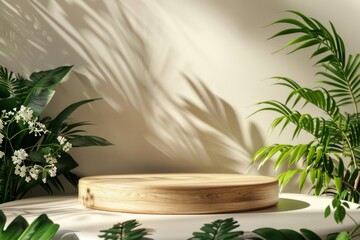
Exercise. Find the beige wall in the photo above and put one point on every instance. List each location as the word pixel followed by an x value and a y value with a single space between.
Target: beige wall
pixel 178 78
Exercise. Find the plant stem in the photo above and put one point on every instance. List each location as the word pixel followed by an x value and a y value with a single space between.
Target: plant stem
pixel 357 180
pixel 355 230
pixel 8 189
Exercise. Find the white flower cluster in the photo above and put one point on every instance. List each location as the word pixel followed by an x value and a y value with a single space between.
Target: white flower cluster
pixel 31 172
pixel 25 115
pixel 66 146
pixel 20 158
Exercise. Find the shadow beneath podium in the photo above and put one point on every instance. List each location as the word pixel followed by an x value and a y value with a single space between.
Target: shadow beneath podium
pixel 286 204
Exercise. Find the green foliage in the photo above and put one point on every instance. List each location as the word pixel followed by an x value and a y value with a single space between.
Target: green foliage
pixel 42 228
pixel 125 231
pixel 36 93
pixel 224 229
pixel 218 230
pixel 331 160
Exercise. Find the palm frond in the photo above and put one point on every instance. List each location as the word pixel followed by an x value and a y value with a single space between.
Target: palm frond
pixel 13 89
pixel 316 126
pixel 354 134
pixel 320 98
pixel 341 72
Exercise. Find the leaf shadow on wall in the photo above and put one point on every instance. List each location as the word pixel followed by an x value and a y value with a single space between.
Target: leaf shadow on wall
pixel 153 129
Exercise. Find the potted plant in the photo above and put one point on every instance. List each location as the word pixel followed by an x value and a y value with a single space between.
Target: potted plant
pixel 34 151
pixel 330 161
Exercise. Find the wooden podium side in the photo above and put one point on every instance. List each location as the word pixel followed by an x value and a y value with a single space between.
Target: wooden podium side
pixel 178 193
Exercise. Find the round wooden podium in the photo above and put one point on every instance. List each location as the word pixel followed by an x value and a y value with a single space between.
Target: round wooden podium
pixel 178 193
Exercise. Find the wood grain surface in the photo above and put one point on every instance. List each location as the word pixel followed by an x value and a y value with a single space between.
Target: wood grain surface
pixel 178 193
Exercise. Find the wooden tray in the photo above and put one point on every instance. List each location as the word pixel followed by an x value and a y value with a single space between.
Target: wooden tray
pixel 178 193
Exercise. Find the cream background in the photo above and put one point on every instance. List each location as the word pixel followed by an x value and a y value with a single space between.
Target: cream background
pixel 178 78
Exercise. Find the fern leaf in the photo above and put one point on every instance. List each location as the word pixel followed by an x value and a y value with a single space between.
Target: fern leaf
pixel 127 230
pixel 221 229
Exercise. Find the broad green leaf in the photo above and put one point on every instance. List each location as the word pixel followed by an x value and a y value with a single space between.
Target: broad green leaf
pixel 283 156
pixel 343 236
pixel 327 211
pixel 285 177
pixel 15 228
pixel 310 235
pixel 313 175
pixel 302 180
pixel 55 124
pixel 338 184
pixel 310 155
pixel 270 234
pixel 42 228
pixel 339 214
pixel 85 141
pixel 43 86
pixel 291 234
pixel 319 154
pixel 319 183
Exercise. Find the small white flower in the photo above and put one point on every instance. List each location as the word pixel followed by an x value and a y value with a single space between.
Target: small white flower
pixel 67 147
pixel 1 138
pixel 28 179
pixel 17 169
pixel 44 180
pixel 17 118
pixel 21 154
pixel 22 171
pixel 62 140
pixel 52 171
pixel 1 124
pixel 2 154
pixel 50 159
pixel 16 160
pixel 34 172
pixel 25 113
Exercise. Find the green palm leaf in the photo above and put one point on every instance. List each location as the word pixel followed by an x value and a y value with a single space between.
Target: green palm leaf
pixel 341 72
pixel 335 133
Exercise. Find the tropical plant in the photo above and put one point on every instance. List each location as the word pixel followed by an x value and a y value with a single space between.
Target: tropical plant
pixel 42 228
pixel 331 159
pixel 32 151
pixel 224 229
pixel 127 230
pixel 221 229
